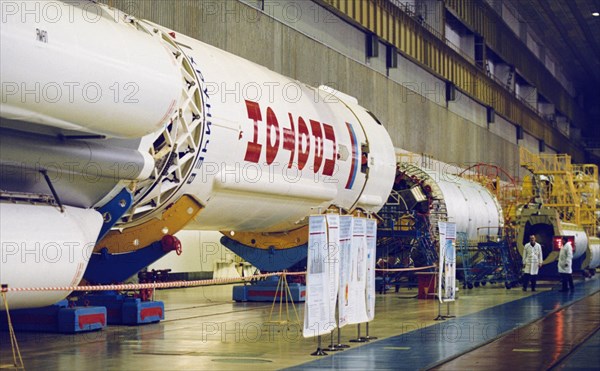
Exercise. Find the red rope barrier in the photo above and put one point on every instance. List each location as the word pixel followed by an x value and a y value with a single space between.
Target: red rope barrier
pixel 405 269
pixel 139 286
pixel 180 284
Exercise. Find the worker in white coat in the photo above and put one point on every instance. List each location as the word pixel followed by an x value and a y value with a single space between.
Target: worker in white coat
pixel 565 267
pixel 532 261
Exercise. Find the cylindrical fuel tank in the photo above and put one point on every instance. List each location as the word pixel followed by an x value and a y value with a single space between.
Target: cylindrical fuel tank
pixel 258 150
pixel 545 224
pixel 272 149
pixel 82 171
pixel 44 247
pixel 80 66
pixel 471 206
pixel 592 255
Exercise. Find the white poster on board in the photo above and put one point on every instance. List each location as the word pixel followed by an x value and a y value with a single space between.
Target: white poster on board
pixel 358 273
pixel 333 259
pixel 447 262
pixel 442 229
pixel 451 231
pixel 317 319
pixel 345 268
pixel 371 240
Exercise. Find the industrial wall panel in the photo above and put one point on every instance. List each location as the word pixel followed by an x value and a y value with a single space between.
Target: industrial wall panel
pixel 531 143
pixel 378 63
pixel 504 129
pixel 466 107
pixel 500 38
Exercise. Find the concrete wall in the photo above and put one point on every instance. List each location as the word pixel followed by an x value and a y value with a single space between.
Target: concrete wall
pixel 410 102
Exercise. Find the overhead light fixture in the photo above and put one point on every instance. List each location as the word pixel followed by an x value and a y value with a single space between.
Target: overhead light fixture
pixel 596 14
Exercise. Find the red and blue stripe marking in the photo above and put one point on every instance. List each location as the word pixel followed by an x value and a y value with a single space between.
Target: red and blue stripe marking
pixel 355 154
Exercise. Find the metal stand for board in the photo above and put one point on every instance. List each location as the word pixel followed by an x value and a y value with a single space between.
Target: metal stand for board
pixel 359 339
pixel 339 339
pixel 369 338
pixel 319 351
pixel 439 316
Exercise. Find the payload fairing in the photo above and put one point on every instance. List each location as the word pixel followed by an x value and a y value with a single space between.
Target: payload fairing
pixel 101 102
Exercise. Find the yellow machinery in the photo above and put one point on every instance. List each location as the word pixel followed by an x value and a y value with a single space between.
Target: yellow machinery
pixel 561 199
pixel 557 183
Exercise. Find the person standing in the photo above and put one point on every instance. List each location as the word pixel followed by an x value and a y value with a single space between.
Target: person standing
pixel 565 265
pixel 532 261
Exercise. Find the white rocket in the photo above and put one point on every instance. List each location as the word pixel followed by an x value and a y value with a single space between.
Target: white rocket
pixel 102 101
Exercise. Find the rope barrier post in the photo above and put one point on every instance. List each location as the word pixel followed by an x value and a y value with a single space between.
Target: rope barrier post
pixel 319 351
pixel 288 298
pixel 153 290
pixel 13 337
pixel 279 292
pixel 291 298
pixel 275 300
pixel 359 339
pixel 283 288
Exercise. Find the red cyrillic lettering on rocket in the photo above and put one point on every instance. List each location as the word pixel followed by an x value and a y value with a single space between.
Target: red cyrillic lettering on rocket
pixel 303 137
pixel 299 139
pixel 254 148
pixel 272 124
pixel 317 133
pixel 289 140
pixel 329 167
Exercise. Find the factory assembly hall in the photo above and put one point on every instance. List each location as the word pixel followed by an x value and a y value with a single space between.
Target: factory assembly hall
pixel 300 184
